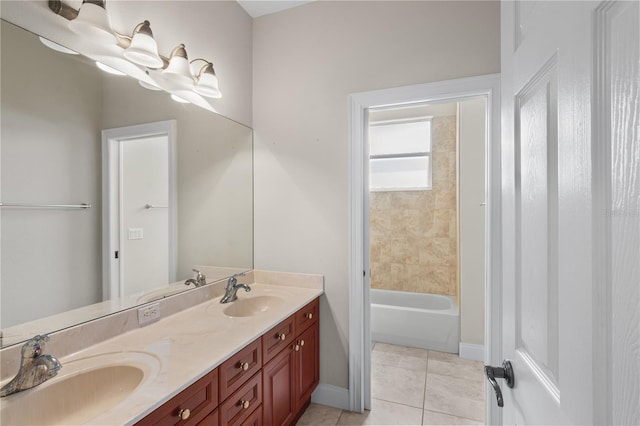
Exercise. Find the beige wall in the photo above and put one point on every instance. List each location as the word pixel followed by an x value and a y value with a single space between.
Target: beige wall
pixel 307 61
pixel 472 216
pixel 413 234
pixel 219 31
pixel 40 160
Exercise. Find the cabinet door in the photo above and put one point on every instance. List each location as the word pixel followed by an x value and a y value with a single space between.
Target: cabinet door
pixel 279 397
pixel 307 364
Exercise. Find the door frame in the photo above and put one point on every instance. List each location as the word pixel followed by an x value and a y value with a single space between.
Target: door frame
pixel 111 138
pixel 359 301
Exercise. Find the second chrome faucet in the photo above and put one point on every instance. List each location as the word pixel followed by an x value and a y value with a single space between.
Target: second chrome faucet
pixel 232 288
pixel 199 280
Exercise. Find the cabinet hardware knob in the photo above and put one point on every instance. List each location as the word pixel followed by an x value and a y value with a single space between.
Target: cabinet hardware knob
pixel 296 348
pixel 301 342
pixel 184 413
pixel 244 366
pixel 281 336
pixel 244 404
pixel 310 315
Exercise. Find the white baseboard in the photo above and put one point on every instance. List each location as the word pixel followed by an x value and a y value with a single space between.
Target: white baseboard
pixel 471 351
pixel 332 396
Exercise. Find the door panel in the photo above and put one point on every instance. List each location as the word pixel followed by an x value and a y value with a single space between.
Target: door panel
pixel 536 219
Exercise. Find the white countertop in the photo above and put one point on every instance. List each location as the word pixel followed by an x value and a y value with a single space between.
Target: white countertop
pixel 188 344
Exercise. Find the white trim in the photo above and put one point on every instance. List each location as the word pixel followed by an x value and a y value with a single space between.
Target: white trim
pixel 332 396
pixel 359 104
pixel 110 140
pixel 471 351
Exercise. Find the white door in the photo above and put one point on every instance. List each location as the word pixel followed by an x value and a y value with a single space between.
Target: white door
pixel 571 212
pixel 144 213
pixel 139 207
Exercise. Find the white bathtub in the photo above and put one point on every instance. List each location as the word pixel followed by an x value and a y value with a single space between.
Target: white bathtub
pixel 427 321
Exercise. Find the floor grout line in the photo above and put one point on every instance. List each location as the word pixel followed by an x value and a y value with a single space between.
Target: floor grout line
pixel 428 360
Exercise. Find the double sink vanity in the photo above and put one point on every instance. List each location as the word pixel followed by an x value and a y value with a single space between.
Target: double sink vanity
pixel 248 362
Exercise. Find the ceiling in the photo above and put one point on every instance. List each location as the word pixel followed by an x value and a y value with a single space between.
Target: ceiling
pixel 257 8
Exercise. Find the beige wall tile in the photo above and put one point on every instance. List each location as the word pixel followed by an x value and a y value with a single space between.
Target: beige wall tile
pixel 413 234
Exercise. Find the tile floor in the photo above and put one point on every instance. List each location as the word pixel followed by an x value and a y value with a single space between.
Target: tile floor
pixel 412 386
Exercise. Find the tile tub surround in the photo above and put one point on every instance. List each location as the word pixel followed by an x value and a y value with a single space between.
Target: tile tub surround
pixel 188 343
pixel 414 233
pixel 411 386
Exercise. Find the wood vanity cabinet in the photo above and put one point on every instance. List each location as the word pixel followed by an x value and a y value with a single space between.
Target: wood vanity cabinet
pixel 292 374
pixel 268 382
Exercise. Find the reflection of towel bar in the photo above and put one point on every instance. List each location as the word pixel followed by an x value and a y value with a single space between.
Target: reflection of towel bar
pixel 47 206
pixel 151 206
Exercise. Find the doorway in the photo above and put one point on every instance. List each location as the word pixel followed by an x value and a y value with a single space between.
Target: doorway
pixel 361 105
pixel 139 208
pixel 426 233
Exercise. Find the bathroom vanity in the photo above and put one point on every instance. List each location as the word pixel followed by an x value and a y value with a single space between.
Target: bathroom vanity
pixel 248 362
pixel 268 382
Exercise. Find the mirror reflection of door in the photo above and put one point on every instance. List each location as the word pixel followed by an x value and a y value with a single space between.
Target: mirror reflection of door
pixel 141 241
pixel 144 220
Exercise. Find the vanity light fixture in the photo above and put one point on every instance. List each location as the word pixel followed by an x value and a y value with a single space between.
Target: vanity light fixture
pixel 179 99
pixel 179 67
pixel 149 86
pixel 174 74
pixel 108 69
pixel 143 49
pixel 57 47
pixel 93 22
pixel 207 81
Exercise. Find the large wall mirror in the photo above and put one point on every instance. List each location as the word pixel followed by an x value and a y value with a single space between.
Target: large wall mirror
pixel 59 112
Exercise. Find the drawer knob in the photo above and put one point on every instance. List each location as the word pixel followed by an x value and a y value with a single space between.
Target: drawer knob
pixel 245 404
pixel 244 366
pixel 309 315
pixel 301 342
pixel 184 413
pixel 281 336
pixel 296 348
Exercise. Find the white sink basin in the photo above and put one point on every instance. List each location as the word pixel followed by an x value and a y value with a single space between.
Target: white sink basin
pixel 251 306
pixel 82 390
pixel 162 293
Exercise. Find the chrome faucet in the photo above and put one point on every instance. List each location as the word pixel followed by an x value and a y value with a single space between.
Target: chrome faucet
pixel 35 368
pixel 199 281
pixel 232 288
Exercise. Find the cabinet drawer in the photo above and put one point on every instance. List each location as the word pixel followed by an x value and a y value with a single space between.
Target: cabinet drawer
pixel 210 420
pixel 239 368
pixel 307 316
pixel 254 419
pixel 239 406
pixel 199 399
pixel 279 337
